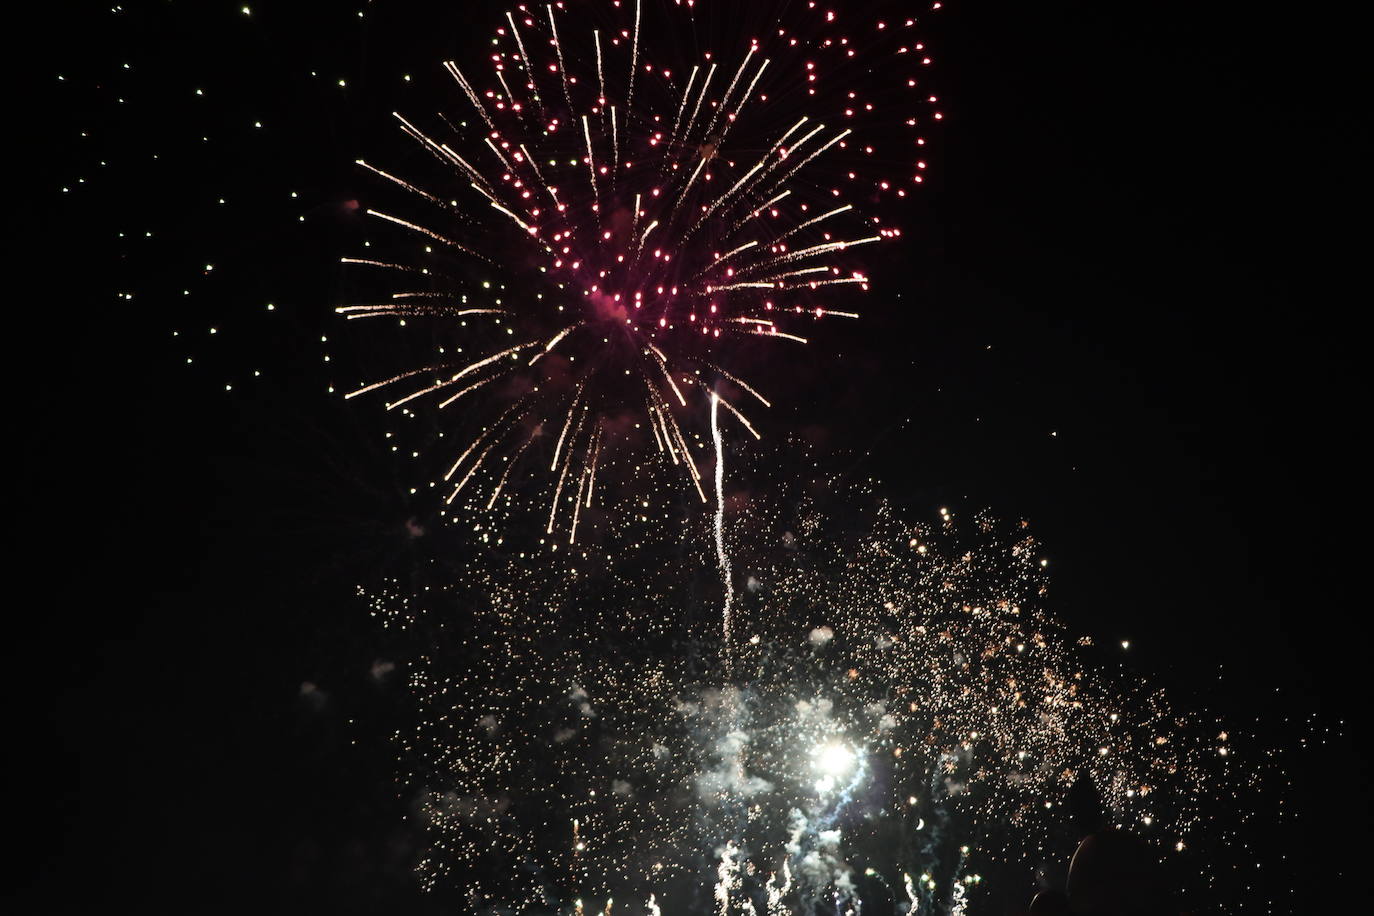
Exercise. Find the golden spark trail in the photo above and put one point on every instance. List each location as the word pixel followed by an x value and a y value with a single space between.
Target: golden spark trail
pixel 403 183
pixel 505 163
pixel 781 154
pixel 404 268
pixel 553 342
pixel 677 122
pixel 719 201
pixel 482 436
pixel 730 254
pixel 534 166
pixel 773 281
pixel 488 360
pixel 803 164
pixel 739 416
pixel 701 162
pixel 591 476
pixel 663 365
pixel 562 70
pixel 657 410
pixel 478 180
pixel 403 309
pixel 424 391
pixel 647 229
pixel 395 378
pixel 744 99
pixel 439 150
pixel 729 90
pixel 783 334
pixel 563 476
pixel 811 222
pixel 842 281
pixel 572 410
pixel 634 58
pixel 577 501
pixel 457 74
pixel 468 476
pixel 414 227
pixel 823 248
pixel 524 58
pixel 516 219
pixel 615 146
pixel 510 465
pixel 468 389
pixel 600 78
pixel 741 383
pixel 501 78
pixel 705 84
pixel 653 425
pixel 591 159
pixel 739 223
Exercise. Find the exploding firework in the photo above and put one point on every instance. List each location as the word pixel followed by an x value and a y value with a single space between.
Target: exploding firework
pixel 634 194
pixel 900 716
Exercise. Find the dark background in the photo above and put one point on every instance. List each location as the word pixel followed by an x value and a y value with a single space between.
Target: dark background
pixel 1127 312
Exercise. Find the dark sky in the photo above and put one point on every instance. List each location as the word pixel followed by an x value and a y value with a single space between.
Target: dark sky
pixel 1126 313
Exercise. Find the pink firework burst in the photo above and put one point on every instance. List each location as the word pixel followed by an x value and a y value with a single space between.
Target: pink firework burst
pixel 630 191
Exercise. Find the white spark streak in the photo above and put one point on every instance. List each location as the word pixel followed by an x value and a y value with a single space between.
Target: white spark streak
pixel 727 623
pixel 427 232
pixel 403 183
pixel 457 74
pixel 591 159
pixel 634 58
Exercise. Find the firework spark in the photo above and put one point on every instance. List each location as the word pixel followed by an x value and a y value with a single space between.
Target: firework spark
pixel 899 716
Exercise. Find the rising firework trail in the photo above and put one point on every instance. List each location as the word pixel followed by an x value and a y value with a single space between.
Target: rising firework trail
pixel 723 558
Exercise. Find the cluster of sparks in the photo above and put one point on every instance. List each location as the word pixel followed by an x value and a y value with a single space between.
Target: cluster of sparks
pixel 898 717
pixel 619 210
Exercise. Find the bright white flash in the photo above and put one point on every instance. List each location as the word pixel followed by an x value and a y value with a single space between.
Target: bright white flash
pixel 833 761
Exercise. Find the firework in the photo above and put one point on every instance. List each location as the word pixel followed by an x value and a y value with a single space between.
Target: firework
pixel 898 717
pixel 633 194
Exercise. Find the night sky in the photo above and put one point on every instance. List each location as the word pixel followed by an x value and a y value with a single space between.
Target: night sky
pixel 1121 310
